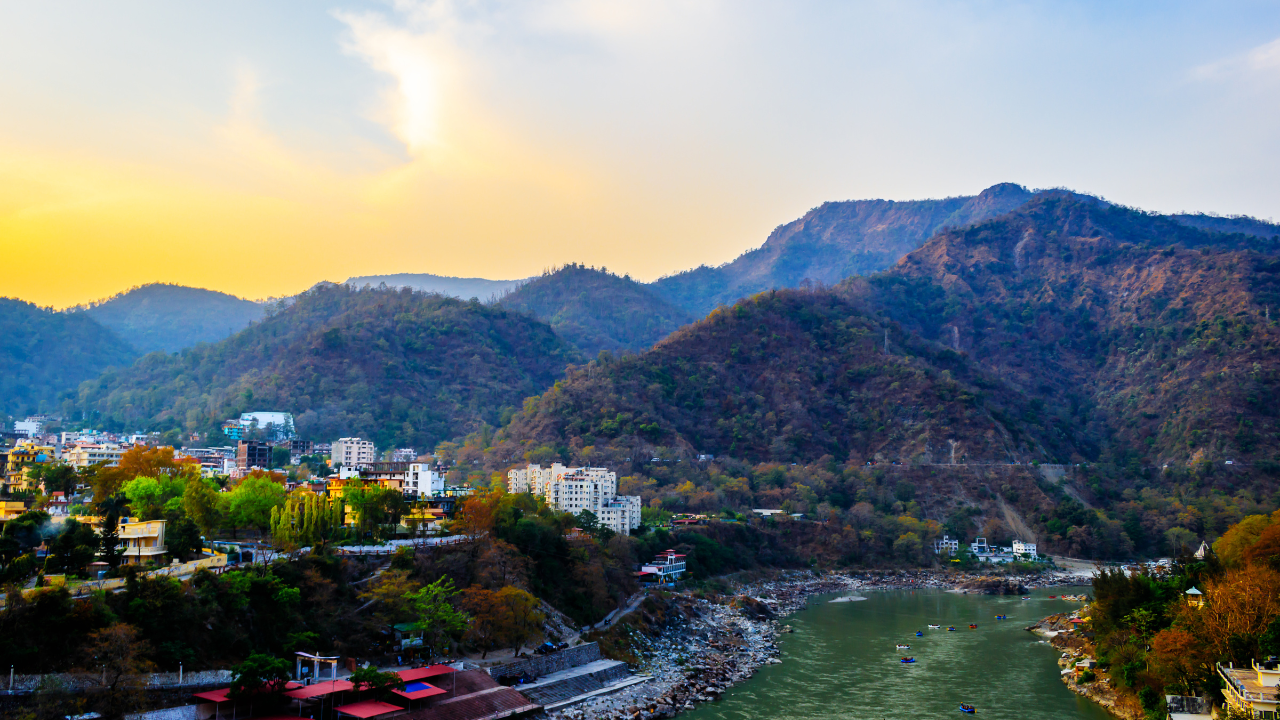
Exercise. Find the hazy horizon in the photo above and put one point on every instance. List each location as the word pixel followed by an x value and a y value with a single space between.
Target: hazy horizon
pixel 257 150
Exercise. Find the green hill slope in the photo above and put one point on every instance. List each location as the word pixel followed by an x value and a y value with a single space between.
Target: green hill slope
pixel 168 318
pixel 401 367
pixel 786 376
pixel 597 311
pixel 44 354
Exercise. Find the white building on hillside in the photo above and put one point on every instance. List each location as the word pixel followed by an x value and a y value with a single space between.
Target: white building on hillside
pixel 84 454
pixel 278 425
pixel 353 452
pixel 1024 548
pixel 573 490
pixel 946 545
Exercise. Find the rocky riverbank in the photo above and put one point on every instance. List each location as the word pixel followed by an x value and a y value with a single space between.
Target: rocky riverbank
pixel 695 646
pixel 1058 630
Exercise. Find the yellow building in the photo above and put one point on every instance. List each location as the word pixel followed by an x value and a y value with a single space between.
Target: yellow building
pixel 142 541
pixel 10 509
pixel 22 456
pixel 1254 691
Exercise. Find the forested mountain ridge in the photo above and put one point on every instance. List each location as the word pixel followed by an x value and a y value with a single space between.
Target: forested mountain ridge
pixel 166 318
pixel 832 242
pixel 45 353
pixel 596 310
pixel 783 376
pixel 1144 352
pixel 396 366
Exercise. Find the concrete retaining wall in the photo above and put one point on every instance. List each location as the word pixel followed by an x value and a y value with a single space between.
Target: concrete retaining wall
pixel 546 664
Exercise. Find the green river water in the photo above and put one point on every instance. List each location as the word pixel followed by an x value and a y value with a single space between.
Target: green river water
pixel 841 662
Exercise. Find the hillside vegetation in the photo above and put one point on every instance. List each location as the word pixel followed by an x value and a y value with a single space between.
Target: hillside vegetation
pixel 168 318
pixel 834 241
pixel 44 354
pixel 596 310
pixel 785 376
pixel 401 367
pixel 1140 350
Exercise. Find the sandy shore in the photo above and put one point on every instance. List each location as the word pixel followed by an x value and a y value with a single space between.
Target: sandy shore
pixel 713 644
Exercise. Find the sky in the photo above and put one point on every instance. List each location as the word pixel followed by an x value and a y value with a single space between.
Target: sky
pixel 258 148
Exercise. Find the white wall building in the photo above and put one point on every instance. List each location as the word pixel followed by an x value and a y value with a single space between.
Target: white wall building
pixel 946 545
pixel 279 425
pixel 573 490
pixel 423 482
pixel 1024 548
pixel 28 427
pixel 352 452
pixel 84 454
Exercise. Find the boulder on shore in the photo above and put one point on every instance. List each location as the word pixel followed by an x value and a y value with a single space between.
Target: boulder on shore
pixel 993 586
pixel 753 608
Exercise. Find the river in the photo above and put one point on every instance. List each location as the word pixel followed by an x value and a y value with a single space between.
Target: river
pixel 841 662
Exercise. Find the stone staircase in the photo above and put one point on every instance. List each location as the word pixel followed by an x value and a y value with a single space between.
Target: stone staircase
pixel 572 683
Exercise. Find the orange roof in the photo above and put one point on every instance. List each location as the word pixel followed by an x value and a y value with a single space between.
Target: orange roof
pixel 216 696
pixel 368 709
pixel 321 688
pixel 426 672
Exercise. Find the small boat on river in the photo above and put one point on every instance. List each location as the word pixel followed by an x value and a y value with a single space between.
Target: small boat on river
pixel 919 634
pixel 972 626
pixel 966 708
pixel 951 628
pixel 907 660
pixel 935 627
pixel 903 647
pixel 1002 617
pixel 1026 598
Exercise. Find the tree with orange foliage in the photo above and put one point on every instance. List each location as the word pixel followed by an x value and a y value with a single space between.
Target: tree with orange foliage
pixel 1182 658
pixel 475 518
pixel 1266 551
pixel 1238 538
pixel 1238 608
pixel 140 461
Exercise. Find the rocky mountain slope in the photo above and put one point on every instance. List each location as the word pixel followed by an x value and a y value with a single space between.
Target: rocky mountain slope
pixel 596 310
pixel 1138 349
pixel 167 318
pixel 834 241
pixel 400 367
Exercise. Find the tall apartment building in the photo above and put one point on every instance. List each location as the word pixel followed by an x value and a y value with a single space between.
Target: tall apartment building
pixel 573 490
pixel 252 454
pixel 352 452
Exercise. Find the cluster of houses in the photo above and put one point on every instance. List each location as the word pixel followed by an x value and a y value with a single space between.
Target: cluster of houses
pixel 1020 550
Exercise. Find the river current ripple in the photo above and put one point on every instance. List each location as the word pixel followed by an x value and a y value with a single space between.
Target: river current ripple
pixel 841 662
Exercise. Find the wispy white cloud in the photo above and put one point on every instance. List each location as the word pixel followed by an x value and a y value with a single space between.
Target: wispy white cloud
pixel 1263 59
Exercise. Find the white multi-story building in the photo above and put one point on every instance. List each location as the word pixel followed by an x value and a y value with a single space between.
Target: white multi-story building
pixel 423 482
pixel 573 490
pixel 1024 548
pixel 414 480
pixel 946 545
pixel 352 452
pixel 84 454
pixel 620 512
